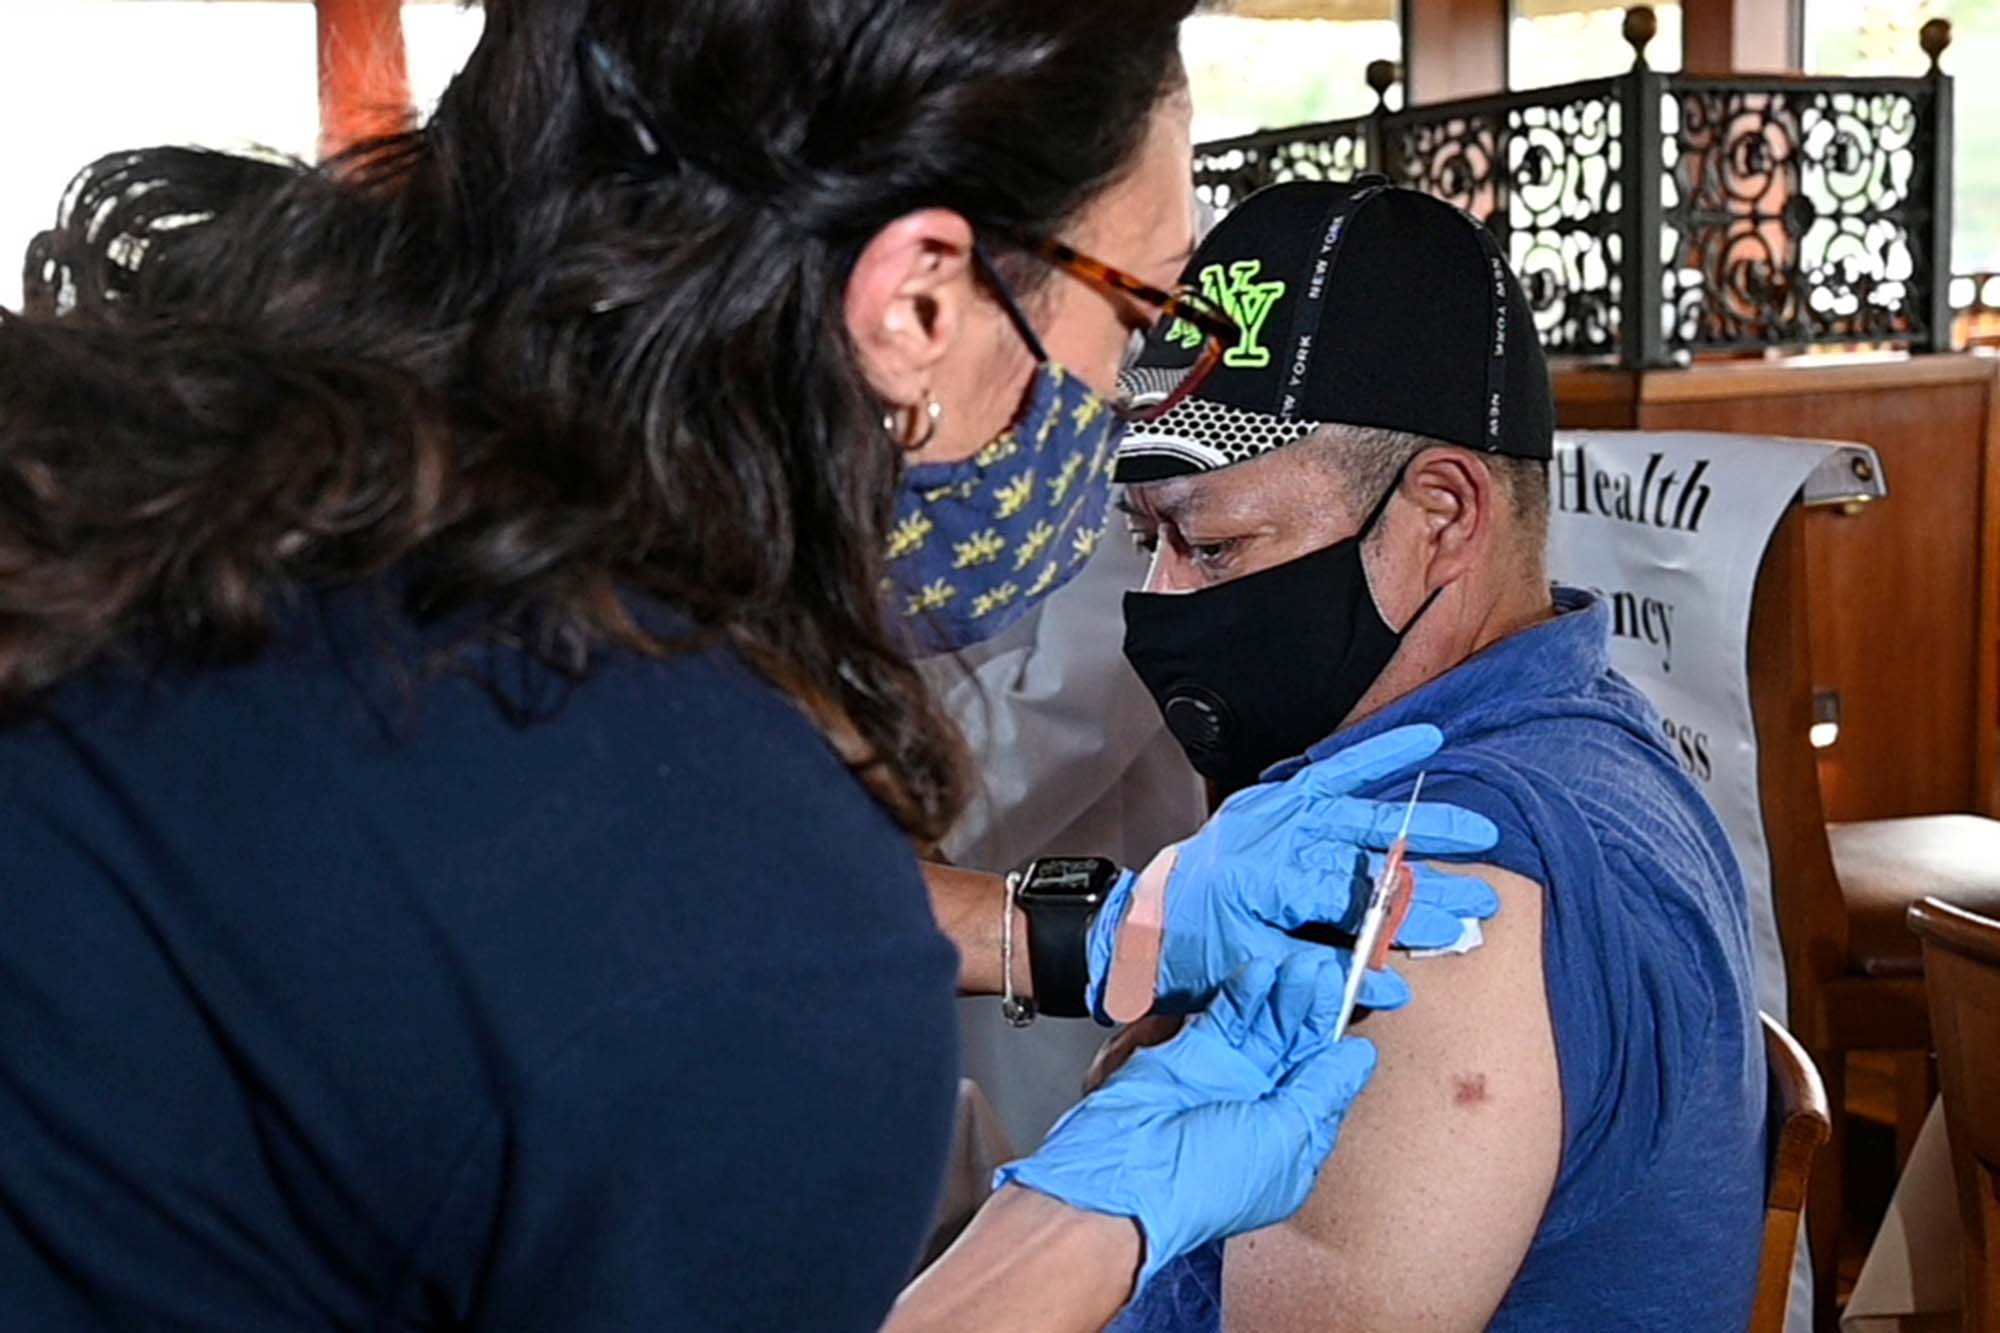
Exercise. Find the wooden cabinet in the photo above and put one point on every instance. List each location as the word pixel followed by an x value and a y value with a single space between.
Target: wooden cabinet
pixel 1905 592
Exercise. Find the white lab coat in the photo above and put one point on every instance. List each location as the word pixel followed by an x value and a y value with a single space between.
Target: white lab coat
pixel 1074 760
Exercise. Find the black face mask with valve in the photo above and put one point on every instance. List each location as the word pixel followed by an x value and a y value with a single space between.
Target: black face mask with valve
pixel 1257 670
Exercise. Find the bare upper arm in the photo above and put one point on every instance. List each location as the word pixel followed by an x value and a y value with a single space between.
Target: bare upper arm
pixel 1445 1163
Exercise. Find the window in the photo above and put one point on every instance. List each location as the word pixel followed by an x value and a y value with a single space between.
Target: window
pixel 1562 41
pixel 229 76
pixel 1266 65
pixel 1879 37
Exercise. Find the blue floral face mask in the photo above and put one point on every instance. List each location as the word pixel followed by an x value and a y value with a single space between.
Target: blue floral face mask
pixel 979 542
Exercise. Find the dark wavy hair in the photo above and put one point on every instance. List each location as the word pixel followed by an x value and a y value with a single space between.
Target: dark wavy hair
pixel 578 336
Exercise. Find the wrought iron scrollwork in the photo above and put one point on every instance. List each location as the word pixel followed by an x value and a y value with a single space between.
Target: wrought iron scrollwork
pixel 1564 217
pixel 1797 214
pixel 1787 211
pixel 1459 158
pixel 1541 170
pixel 1228 172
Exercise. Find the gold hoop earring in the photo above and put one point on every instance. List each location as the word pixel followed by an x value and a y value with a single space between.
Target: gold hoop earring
pixel 934 410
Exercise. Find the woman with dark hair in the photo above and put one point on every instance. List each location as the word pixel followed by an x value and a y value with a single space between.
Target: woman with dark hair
pixel 455 618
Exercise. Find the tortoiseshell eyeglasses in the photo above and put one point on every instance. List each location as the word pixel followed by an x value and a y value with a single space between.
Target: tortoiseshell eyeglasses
pixel 1181 348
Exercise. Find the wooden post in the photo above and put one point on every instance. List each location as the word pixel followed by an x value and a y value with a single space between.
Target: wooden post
pixel 364 79
pixel 1642 299
pixel 1939 120
pixel 1453 48
pixel 1741 36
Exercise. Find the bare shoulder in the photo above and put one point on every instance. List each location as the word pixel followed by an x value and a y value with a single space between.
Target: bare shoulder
pixel 1447 1161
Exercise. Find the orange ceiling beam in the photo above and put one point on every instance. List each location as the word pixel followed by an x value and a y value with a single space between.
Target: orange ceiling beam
pixel 364 73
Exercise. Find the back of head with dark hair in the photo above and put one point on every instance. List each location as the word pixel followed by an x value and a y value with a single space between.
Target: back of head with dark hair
pixel 582 333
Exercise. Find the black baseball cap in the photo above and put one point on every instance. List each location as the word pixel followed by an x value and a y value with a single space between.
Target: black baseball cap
pixel 1362 304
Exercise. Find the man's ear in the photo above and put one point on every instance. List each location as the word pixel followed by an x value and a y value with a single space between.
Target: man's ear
pixel 1455 493
pixel 907 300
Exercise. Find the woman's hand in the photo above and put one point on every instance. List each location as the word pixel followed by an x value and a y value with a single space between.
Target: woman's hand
pixel 1126 1042
pixel 1223 1129
pixel 1280 856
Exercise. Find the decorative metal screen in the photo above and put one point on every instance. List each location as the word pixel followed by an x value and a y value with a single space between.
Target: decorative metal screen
pixel 1227 171
pixel 1543 171
pixel 1652 217
pixel 1797 213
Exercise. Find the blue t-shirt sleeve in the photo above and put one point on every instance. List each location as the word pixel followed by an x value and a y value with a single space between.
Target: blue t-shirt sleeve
pixel 1635 1013
pixel 1632 1010
pixel 1517 852
pixel 1629 1005
pixel 1185 1296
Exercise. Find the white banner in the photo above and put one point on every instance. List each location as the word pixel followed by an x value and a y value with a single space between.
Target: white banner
pixel 1671 529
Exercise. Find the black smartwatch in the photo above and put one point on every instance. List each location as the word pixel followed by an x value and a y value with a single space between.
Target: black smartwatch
pixel 1060 896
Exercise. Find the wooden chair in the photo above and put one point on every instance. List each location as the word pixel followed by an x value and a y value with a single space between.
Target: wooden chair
pixel 1799 1126
pixel 1961 954
pixel 1857 978
pixel 1854 984
pixel 1884 866
pixel 1812 917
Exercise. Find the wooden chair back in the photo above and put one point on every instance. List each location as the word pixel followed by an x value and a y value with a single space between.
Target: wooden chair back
pixel 1800 1124
pixel 1831 1011
pixel 1812 917
pixel 1962 974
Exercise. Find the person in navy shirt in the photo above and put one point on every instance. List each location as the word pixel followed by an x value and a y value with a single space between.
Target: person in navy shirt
pixel 463 768
pixel 1349 538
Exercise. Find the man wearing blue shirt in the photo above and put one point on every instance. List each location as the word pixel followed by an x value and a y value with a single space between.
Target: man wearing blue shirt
pixel 1348 529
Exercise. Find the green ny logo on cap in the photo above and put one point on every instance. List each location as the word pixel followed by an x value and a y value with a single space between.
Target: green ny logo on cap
pixel 1249 303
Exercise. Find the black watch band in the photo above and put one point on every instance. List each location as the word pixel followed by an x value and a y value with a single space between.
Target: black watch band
pixel 1059 896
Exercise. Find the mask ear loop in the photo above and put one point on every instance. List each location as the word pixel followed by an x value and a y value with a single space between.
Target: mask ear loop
pixel 1368 528
pixel 1382 505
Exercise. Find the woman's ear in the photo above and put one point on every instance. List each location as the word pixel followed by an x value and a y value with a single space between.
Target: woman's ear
pixel 907 302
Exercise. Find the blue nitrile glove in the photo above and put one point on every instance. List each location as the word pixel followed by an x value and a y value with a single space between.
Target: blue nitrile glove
pixel 1282 855
pixel 1223 1129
